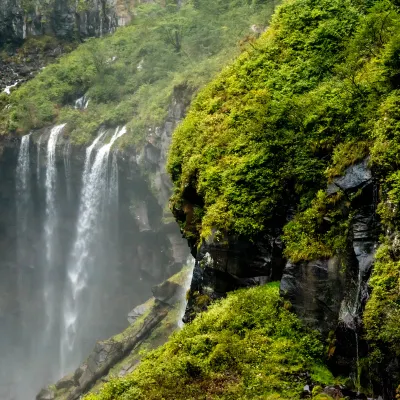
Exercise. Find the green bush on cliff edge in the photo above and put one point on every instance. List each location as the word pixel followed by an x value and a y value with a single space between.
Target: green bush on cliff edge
pixel 316 93
pixel 247 346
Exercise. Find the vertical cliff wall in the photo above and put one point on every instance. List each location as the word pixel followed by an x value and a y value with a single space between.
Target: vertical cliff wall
pixel 20 19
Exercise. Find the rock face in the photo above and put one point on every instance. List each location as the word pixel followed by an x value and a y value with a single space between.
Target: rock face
pixel 327 294
pixel 231 263
pixel 330 294
pixel 64 19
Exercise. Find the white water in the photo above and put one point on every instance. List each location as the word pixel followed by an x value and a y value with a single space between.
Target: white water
pixel 72 267
pixel 50 224
pixel 67 167
pixel 82 103
pixel 23 174
pixel 94 200
pixel 190 262
pixel 7 89
pixel 38 144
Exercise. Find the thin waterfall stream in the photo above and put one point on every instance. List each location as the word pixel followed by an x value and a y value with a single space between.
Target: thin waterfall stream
pixel 94 199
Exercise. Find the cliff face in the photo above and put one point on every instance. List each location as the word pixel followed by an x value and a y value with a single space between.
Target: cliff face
pixel 64 19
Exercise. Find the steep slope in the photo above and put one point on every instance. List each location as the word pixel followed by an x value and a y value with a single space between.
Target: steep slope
pixel 247 346
pixel 297 140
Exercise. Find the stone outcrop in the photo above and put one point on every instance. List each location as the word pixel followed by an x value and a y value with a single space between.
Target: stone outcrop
pixel 327 294
pixel 327 291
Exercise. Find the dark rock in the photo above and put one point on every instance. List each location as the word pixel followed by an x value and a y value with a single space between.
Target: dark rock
pixel 46 394
pixel 231 263
pixel 355 177
pixel 316 290
pixel 66 383
pixel 168 292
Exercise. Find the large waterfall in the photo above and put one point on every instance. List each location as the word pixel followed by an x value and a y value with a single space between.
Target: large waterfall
pixel 75 259
pixel 88 249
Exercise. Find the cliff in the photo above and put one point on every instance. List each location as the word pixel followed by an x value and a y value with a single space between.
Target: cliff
pixel 20 19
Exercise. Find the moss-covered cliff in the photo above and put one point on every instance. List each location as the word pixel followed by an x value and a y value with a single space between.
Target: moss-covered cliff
pixel 260 159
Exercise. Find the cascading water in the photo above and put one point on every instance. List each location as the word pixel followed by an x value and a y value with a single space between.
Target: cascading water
pixel 67 167
pixel 50 227
pixel 87 247
pixel 75 259
pixel 39 143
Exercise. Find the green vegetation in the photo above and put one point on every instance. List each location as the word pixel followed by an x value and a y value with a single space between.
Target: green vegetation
pixel 247 346
pixel 315 94
pixel 382 313
pixel 131 75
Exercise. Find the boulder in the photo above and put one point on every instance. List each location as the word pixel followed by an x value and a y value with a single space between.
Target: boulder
pixel 137 312
pixel 355 177
pixel 46 394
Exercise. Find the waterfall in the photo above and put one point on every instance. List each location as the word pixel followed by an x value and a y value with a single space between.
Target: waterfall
pixel 38 144
pixel 190 263
pixel 95 196
pixel 50 224
pixel 71 267
pixel 67 167
pixel 23 194
pixel 22 178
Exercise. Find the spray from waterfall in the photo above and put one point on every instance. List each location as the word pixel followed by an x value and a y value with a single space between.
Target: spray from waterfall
pixel 96 186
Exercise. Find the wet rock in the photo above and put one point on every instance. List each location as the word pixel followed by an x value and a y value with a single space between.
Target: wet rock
pixel 230 263
pixel 66 383
pixel 46 394
pixel 315 290
pixel 168 292
pixel 355 177
pixel 137 312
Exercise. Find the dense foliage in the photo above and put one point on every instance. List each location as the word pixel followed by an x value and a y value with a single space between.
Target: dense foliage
pixel 129 77
pixel 310 97
pixel 247 346
pixel 319 91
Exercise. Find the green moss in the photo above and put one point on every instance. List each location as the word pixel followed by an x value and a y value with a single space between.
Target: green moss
pixel 382 313
pixel 245 346
pixel 314 95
